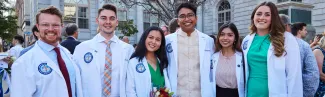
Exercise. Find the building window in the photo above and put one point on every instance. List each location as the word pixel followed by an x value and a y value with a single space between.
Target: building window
pixel 122 16
pixel 285 11
pixel 298 15
pixel 279 1
pixel 76 11
pixel 224 13
pixel 150 19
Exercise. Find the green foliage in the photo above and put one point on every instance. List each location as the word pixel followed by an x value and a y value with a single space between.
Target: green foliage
pixel 127 28
pixel 8 23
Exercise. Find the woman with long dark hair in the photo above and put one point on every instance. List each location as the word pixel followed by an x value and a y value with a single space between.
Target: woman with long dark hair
pixel 147 65
pixel 227 62
pixel 272 56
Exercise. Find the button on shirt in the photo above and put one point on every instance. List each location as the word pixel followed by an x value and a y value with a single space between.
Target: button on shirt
pixel 115 82
pixel 49 51
pixel 188 80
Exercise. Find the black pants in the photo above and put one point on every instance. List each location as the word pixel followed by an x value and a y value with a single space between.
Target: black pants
pixel 226 92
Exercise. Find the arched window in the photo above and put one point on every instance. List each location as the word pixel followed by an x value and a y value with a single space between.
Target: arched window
pixel 76 11
pixel 224 12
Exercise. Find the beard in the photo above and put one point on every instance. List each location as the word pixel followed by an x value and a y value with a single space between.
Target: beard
pixel 52 40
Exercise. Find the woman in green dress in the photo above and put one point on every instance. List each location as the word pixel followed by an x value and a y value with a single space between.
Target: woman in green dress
pixel 147 65
pixel 272 56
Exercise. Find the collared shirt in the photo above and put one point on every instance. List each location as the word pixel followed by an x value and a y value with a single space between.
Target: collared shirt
pixel 188 80
pixel 15 51
pixel 115 82
pixel 310 73
pixel 49 51
pixel 26 50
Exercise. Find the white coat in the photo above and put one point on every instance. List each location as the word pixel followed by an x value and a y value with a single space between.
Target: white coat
pixel 139 83
pixel 239 71
pixel 206 49
pixel 284 72
pixel 28 81
pixel 15 51
pixel 90 72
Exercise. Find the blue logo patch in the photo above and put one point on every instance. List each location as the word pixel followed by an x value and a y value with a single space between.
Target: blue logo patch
pixel 88 57
pixel 169 48
pixel 140 68
pixel 44 69
pixel 245 45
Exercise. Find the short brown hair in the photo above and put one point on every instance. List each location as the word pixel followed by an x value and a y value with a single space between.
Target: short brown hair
pixel 49 10
pixel 107 7
pixel 173 25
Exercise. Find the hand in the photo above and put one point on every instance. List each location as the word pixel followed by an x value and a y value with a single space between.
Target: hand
pixel 8 60
pixel 316 39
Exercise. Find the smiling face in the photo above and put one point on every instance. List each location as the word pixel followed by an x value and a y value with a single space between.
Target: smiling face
pixel 227 38
pixel 153 41
pixel 107 21
pixel 49 28
pixel 262 18
pixel 186 19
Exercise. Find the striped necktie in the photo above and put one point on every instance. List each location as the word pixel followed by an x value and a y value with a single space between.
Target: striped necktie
pixel 107 71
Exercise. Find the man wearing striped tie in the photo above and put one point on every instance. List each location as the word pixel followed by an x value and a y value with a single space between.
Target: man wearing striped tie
pixel 103 60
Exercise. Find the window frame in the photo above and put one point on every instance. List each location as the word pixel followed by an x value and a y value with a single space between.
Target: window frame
pixel 222 13
pixel 77 17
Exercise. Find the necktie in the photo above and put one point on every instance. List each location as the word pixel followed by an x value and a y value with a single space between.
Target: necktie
pixel 107 71
pixel 63 70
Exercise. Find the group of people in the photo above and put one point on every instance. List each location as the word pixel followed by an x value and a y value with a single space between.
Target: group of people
pixel 266 63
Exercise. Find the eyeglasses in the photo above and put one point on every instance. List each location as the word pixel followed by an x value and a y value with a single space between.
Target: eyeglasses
pixel 189 16
pixel 47 26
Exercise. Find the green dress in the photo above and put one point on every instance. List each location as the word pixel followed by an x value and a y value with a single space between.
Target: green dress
pixel 157 79
pixel 257 84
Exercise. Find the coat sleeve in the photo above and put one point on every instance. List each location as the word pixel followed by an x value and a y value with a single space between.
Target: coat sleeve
pixel 23 83
pixel 293 67
pixel 310 72
pixel 130 85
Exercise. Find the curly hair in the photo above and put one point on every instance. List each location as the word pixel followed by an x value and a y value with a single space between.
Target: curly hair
pixel 276 30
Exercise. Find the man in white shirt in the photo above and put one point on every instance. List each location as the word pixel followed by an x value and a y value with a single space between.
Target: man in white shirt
pixel 17 41
pixel 103 60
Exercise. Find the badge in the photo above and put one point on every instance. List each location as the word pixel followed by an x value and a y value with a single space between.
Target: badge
pixel 88 57
pixel 211 72
pixel 169 48
pixel 44 69
pixel 245 45
pixel 140 68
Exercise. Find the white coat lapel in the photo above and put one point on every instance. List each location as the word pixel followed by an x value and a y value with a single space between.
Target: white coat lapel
pixel 246 46
pixel 78 77
pixel 147 73
pixel 238 66
pixel 270 51
pixel 48 60
pixel 202 44
pixel 175 48
pixel 94 45
pixel 173 69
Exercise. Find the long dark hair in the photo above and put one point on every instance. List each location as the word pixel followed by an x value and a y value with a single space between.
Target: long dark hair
pixel 233 28
pixel 141 50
